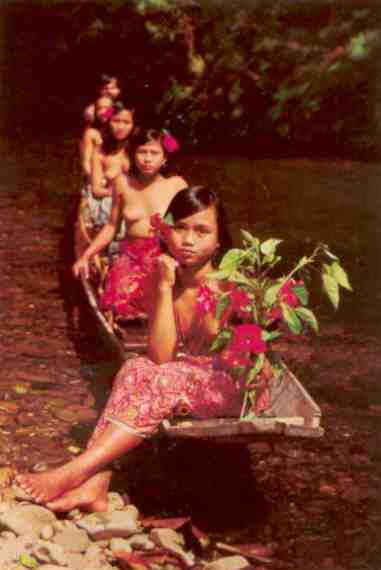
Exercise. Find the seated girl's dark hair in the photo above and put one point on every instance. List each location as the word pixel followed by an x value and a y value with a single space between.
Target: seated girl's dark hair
pixel 195 199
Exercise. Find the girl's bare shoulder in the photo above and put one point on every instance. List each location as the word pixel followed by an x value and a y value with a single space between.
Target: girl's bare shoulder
pixel 177 182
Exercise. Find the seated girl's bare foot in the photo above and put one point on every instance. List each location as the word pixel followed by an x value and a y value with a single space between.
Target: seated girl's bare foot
pixel 91 496
pixel 48 485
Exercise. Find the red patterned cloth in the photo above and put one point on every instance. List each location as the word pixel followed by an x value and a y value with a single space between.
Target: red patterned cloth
pixel 145 393
pixel 128 283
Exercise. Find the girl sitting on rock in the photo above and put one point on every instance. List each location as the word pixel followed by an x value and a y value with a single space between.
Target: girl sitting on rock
pixel 150 389
pixel 136 197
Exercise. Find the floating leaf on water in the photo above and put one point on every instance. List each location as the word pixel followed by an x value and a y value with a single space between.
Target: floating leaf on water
pixel 21 388
pixel 28 561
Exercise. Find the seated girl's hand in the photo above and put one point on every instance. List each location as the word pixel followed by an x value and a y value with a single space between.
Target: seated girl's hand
pixel 166 270
pixel 81 267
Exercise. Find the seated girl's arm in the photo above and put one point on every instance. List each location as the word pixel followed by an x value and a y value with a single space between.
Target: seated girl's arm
pixel 162 339
pixel 105 236
pixel 98 188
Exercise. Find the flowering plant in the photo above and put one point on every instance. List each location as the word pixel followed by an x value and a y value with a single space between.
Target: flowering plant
pixel 256 308
pixel 169 142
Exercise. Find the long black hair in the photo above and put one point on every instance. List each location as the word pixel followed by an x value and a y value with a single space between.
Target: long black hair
pixel 195 199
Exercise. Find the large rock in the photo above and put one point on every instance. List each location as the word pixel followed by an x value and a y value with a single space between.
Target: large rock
pixel 72 539
pixel 26 519
pixel 116 524
pixel 228 563
pixel 173 542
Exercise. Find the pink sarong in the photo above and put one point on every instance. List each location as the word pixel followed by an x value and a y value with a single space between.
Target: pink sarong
pixel 145 393
pixel 128 287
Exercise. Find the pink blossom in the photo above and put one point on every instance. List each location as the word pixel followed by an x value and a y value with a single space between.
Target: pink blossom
pixel 239 301
pixel 169 143
pixel 160 227
pixel 206 300
pixel 248 338
pixel 231 359
pixel 288 296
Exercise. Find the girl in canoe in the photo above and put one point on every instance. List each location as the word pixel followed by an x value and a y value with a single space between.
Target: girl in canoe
pixel 108 87
pixel 108 160
pixel 149 389
pixel 136 197
pixel 92 135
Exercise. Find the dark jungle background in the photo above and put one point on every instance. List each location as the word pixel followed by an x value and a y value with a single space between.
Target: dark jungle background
pixel 258 76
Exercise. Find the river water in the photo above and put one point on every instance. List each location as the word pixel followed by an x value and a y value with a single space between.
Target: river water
pixel 318 501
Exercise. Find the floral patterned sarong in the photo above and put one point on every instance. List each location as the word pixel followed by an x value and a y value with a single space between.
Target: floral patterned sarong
pixel 145 393
pixel 128 287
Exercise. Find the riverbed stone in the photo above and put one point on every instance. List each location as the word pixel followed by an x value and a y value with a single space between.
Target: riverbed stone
pixel 46 551
pixel 228 563
pixel 141 542
pixel 26 519
pixel 173 542
pixel 120 545
pixel 116 524
pixel 72 539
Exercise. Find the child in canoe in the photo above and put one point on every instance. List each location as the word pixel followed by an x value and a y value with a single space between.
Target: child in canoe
pixel 150 389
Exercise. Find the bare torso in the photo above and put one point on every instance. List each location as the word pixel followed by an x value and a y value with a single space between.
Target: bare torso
pixel 139 202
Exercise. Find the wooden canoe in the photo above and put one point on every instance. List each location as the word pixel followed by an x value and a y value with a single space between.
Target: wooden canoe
pixel 295 413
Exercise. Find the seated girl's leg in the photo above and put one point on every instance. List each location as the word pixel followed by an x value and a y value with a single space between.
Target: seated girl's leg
pixel 132 399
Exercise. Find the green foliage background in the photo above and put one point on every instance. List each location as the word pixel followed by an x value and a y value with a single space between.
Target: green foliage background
pixel 216 72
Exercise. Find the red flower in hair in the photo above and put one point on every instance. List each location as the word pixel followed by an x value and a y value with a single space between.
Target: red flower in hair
pixel 108 113
pixel 169 142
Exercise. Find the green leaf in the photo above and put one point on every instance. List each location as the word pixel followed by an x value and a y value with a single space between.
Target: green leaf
pixel 221 340
pixel 28 561
pixel 302 294
pixel 254 371
pixel 269 246
pixel 219 275
pixel 340 275
pixel 357 47
pixel 291 318
pixel 222 304
pixel 307 316
pixel 331 287
pixel 238 277
pixel 231 259
pixel 271 294
pixel 250 238
pixel 269 336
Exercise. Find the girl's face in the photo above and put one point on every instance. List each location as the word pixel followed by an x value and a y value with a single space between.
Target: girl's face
pixel 111 89
pixel 193 241
pixel 102 105
pixel 149 158
pixel 121 125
